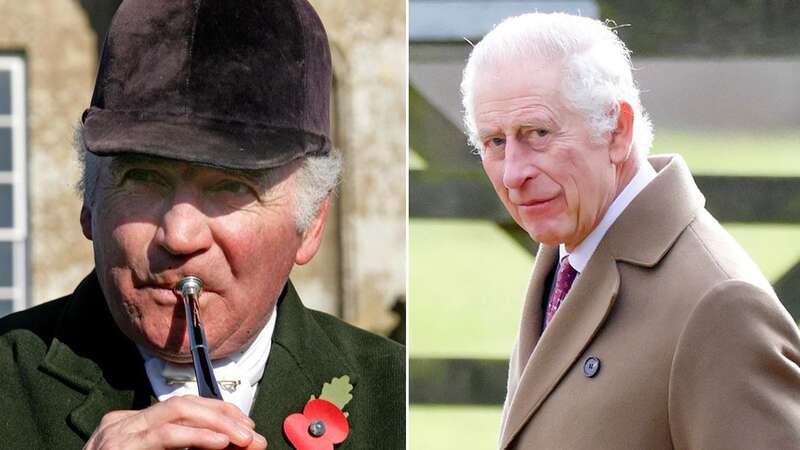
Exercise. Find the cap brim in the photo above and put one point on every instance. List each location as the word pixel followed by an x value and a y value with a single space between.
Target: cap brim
pixel 233 145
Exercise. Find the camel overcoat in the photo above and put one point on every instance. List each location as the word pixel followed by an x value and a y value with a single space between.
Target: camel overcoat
pixel 694 349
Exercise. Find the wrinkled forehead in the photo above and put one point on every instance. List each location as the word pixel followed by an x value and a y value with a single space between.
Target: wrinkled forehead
pixel 509 80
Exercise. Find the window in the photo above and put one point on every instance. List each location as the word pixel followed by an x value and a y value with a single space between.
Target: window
pixel 13 190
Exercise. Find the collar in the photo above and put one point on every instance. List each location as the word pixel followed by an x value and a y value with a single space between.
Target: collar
pixel 580 256
pixel 237 375
pixel 652 222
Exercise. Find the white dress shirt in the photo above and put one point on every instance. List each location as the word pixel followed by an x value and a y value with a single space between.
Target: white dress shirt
pixel 237 375
pixel 581 254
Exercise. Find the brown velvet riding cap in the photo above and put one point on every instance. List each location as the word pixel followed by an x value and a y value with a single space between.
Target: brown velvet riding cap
pixel 243 84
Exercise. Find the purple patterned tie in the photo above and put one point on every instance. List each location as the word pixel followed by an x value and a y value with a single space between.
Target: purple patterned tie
pixel 566 275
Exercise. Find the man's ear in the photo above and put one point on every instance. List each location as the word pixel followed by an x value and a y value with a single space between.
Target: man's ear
pixel 622 135
pixel 312 237
pixel 86 222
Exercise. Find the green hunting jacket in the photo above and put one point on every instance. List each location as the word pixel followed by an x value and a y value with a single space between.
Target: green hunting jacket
pixel 65 364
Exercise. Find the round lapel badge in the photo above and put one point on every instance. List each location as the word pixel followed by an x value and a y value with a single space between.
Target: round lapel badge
pixel 591 366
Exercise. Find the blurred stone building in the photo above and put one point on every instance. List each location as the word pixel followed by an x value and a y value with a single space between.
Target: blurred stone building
pixel 48 59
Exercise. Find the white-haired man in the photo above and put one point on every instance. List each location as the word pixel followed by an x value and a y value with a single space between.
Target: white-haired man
pixel 645 325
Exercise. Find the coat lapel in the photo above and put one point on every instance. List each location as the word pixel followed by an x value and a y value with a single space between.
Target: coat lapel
pixel 92 358
pixel 532 315
pixel 530 324
pixel 584 310
pixel 301 360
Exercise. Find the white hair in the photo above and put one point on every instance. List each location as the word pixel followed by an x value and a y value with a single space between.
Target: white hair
pixel 596 66
pixel 316 177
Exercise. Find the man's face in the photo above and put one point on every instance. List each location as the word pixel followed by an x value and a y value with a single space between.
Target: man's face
pixel 155 221
pixel 538 153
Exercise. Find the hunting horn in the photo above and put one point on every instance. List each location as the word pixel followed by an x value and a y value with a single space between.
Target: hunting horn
pixel 190 288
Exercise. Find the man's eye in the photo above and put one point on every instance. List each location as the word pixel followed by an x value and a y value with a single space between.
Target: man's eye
pixel 142 176
pixel 538 133
pixel 495 143
pixel 234 187
pixel 538 138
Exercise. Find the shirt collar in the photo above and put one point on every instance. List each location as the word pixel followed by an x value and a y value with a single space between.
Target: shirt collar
pixel 237 374
pixel 581 254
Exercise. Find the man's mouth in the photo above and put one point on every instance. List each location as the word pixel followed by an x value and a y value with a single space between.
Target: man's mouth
pixel 163 288
pixel 162 294
pixel 535 202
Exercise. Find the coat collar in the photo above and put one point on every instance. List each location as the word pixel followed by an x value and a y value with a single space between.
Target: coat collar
pixel 644 233
pixel 90 355
pixel 641 235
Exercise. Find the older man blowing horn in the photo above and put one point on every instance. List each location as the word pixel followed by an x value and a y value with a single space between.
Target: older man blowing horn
pixel 206 154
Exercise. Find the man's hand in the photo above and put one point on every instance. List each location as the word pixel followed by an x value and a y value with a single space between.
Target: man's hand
pixel 179 422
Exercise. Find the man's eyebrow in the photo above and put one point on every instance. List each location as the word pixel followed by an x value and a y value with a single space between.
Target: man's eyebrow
pixel 538 121
pixel 483 133
pixel 259 177
pixel 121 162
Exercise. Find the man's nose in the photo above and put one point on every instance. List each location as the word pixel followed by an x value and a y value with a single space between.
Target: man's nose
pixel 184 226
pixel 517 164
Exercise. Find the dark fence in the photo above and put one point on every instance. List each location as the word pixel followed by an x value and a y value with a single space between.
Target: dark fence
pixel 458 381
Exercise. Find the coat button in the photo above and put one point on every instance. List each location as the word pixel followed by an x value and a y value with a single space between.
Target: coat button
pixel 591 366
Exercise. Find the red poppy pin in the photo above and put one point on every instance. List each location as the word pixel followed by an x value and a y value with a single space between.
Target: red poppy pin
pixel 322 424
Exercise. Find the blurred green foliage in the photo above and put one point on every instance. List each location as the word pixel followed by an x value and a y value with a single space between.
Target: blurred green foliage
pixel 713 27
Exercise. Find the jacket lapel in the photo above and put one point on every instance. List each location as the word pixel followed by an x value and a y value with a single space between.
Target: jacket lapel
pixel 584 310
pixel 532 315
pixel 90 356
pixel 301 360
pixel 530 324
